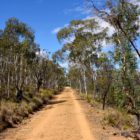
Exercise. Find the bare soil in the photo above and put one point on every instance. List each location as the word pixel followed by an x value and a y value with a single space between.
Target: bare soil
pixel 95 115
pixel 67 117
pixel 63 119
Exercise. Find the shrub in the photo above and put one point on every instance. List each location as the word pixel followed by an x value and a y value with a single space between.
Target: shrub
pixel 13 113
pixel 46 95
pixel 38 101
pixel 89 99
pixel 32 106
pixel 7 112
pixel 23 109
pixel 118 119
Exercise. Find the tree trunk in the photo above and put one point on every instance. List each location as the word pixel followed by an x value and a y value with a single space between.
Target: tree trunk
pixel 85 84
pixel 105 95
pixel 80 86
pixel 19 95
pixel 39 83
pixel 8 85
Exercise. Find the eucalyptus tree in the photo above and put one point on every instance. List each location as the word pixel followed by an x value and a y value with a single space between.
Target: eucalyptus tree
pixel 55 76
pixel 104 77
pixel 82 44
pixel 39 69
pixel 123 15
pixel 127 61
pixel 20 39
pixel 22 66
pixel 75 78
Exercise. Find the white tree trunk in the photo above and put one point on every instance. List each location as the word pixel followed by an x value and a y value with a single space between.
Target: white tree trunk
pixel 8 85
pixel 85 83
pixel 80 86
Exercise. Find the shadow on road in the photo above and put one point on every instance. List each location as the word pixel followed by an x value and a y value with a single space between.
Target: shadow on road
pixel 57 102
pixel 79 99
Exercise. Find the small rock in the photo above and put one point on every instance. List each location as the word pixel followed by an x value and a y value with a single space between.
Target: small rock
pixel 114 133
pixel 104 128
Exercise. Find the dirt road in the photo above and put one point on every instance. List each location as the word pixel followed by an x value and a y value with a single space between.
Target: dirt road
pixel 63 119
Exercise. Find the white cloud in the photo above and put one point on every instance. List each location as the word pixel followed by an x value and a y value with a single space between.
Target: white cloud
pixel 136 2
pixel 42 53
pixel 64 64
pixel 78 9
pixel 102 24
pixel 83 10
pixel 56 30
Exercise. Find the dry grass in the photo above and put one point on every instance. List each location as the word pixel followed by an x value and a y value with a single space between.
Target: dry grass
pixel 89 99
pixel 111 116
pixel 118 119
pixel 12 113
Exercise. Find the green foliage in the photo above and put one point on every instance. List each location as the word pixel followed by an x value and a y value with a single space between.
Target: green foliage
pixel 89 98
pixel 23 65
pixel 24 70
pixel 110 77
pixel 37 101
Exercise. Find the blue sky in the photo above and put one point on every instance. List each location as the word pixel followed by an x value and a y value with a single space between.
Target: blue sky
pixel 44 16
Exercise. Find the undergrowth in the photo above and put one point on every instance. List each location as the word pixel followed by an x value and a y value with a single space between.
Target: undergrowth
pixel 118 119
pixel 89 99
pixel 112 116
pixel 12 113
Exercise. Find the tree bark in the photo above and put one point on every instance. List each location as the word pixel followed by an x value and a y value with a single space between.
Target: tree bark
pixel 85 83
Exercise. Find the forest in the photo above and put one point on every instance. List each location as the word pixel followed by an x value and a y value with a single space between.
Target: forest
pixel 104 64
pixel 102 54
pixel 28 77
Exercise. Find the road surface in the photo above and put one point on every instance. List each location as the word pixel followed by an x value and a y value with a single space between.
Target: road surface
pixel 63 119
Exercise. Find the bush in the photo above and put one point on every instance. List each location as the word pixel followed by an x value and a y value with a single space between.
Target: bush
pixel 7 112
pixel 32 107
pixel 118 119
pixel 38 101
pixel 89 99
pixel 23 109
pixel 46 95
pixel 13 113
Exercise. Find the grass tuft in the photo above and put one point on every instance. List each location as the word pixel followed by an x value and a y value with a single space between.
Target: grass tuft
pixel 12 113
pixel 118 119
